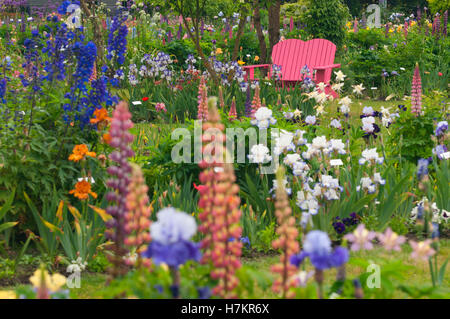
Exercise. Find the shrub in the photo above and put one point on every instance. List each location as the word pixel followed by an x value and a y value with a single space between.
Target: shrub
pixel 326 19
pixel 439 5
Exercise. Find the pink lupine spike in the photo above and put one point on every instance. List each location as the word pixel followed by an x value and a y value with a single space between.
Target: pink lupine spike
pixel 256 103
pixel 291 24
pixel 286 242
pixel 202 111
pixel 221 101
pixel 405 29
pixel 355 26
pixel 137 218
pixel 416 92
pixel 232 115
pixel 219 205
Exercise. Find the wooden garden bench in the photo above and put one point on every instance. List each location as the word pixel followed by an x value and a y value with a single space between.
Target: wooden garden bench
pixel 293 54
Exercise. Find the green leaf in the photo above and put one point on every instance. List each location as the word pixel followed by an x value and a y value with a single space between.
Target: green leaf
pixel 7 225
pixel 7 205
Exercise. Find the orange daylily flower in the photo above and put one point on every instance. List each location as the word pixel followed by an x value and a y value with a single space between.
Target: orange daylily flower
pixel 80 152
pixel 106 138
pixel 101 115
pixel 83 190
pixel 256 58
pixel 219 51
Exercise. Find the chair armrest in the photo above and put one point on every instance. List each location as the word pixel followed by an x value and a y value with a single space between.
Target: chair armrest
pixel 250 71
pixel 256 66
pixel 324 67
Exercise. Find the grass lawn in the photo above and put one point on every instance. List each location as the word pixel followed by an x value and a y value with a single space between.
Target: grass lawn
pixel 417 273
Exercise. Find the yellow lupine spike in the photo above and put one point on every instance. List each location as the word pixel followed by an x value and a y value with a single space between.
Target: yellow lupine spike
pixel 74 211
pixel 60 210
pixel 103 214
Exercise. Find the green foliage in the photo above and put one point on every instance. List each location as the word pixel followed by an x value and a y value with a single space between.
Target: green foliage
pixel 399 225
pixel 294 10
pixel 99 263
pixel 155 284
pixel 410 136
pixel 326 19
pixel 439 6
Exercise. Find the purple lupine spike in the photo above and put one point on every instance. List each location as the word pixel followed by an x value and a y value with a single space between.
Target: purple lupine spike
pixel 364 21
pixel 121 140
pixel 386 31
pixel 438 25
pixel 203 27
pixel 180 31
pixel 291 24
pixel 169 36
pixel 416 92
pixel 444 22
pixel 248 103
pixel 419 16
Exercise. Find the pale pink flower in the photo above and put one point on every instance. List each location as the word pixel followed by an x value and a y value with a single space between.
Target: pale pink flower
pixel 361 238
pixel 421 250
pixel 391 240
pixel 160 107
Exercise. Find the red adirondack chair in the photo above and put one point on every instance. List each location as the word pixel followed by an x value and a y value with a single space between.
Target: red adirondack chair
pixel 293 54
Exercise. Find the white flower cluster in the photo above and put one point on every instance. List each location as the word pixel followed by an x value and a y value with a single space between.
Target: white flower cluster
pixel 370 156
pixel 275 186
pixel 368 123
pixel 439 215
pixel 370 185
pixel 321 145
pixel 263 118
pixel 172 226
pixel 367 183
pixel 259 154
pixel 387 118
pixel 283 141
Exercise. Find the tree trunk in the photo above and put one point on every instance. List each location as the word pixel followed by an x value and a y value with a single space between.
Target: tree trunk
pixel 196 40
pixel 274 25
pixel 259 33
pixel 237 41
pixel 239 34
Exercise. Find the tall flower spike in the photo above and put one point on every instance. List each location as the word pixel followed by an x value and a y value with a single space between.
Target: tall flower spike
pixel 416 92
pixel 405 29
pixel 444 22
pixel 355 26
pixel 137 218
pixel 221 101
pixel 202 113
pixel 286 242
pixel 256 103
pixel 438 26
pixel 232 115
pixel 220 213
pixel 248 102
pixel 121 139
pixel 279 102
